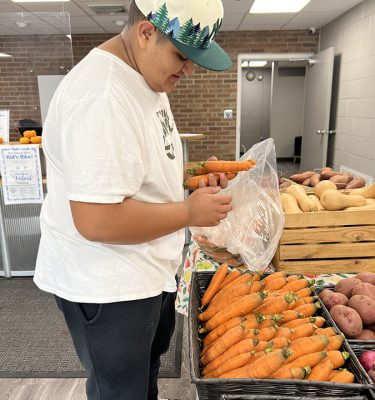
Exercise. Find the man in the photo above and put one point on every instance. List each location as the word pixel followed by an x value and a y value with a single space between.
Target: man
pixel 114 217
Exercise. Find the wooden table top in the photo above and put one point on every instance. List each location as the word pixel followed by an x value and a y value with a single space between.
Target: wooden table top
pixel 191 136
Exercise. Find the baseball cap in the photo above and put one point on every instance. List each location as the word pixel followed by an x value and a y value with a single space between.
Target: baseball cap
pixel 191 25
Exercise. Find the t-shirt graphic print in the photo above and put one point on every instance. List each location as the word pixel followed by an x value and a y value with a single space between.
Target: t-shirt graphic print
pixel 167 133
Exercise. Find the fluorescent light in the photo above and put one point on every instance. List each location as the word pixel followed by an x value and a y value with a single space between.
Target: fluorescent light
pixel 278 6
pixel 38 1
pixel 3 55
pixel 257 63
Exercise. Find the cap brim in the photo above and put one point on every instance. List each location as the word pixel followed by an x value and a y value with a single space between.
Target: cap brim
pixel 213 58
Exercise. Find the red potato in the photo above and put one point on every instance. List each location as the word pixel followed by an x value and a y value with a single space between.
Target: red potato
pixel 345 286
pixel 347 319
pixel 331 298
pixel 368 277
pixel 365 307
pixel 366 335
pixel 365 289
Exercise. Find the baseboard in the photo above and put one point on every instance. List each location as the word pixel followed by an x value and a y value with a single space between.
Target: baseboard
pixel 284 159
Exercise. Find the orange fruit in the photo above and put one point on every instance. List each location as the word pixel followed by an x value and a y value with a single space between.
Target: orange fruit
pixel 36 139
pixel 24 140
pixel 29 134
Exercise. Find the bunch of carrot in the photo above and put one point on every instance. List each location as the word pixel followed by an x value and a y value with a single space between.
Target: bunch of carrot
pixel 199 171
pixel 267 328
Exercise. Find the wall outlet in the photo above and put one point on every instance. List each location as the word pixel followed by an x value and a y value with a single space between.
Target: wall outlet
pixel 228 114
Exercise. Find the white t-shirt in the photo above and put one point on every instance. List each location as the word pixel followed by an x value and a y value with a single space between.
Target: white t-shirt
pixel 107 136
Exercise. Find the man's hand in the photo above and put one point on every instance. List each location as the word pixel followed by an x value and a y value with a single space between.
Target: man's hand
pixel 206 209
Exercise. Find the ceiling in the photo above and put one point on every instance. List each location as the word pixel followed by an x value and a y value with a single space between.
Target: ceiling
pixel 76 16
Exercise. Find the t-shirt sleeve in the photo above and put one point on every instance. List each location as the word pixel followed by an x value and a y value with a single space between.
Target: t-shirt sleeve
pixel 101 152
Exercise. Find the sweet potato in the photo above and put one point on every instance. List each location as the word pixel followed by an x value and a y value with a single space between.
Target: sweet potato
pixel 366 335
pixel 347 319
pixel 314 180
pixel 365 289
pixel 306 182
pixel 356 183
pixel 368 277
pixel 341 178
pixel 331 299
pixel 299 178
pixel 327 173
pixel 345 286
pixel 365 307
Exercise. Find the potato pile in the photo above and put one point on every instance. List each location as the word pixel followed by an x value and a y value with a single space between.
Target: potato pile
pixel 352 305
pixel 326 196
pixel 341 180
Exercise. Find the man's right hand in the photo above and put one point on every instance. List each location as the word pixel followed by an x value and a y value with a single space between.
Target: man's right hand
pixel 206 207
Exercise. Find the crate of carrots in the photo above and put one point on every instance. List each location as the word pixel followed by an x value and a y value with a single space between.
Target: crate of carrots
pixel 266 334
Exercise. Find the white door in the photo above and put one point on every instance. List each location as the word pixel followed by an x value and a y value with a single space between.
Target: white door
pixel 318 89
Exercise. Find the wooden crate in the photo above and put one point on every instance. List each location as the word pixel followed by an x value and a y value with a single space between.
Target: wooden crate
pixel 327 242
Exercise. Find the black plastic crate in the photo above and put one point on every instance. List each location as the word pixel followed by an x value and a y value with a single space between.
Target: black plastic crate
pixel 277 397
pixel 212 389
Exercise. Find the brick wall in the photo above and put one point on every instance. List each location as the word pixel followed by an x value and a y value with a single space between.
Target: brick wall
pixel 197 104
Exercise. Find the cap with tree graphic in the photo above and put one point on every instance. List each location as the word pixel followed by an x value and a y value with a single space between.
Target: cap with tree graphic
pixel 191 26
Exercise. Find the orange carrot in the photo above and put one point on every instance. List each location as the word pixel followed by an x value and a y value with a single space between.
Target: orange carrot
pixel 275 275
pixel 334 342
pixel 306 345
pixel 317 321
pixel 333 373
pixel 308 309
pixel 235 362
pixel 262 368
pixel 283 331
pixel 305 292
pixel 238 291
pixel 304 330
pixel 296 285
pixel 321 371
pixel 304 300
pixel 196 169
pixel 290 315
pixel 338 358
pixel 275 284
pixel 275 305
pixel 223 343
pixel 231 276
pixel 221 329
pixel 240 347
pixel 227 166
pixel 238 308
pixel 193 182
pixel 292 278
pixel 343 376
pixel 277 343
pixel 246 277
pixel 257 286
pixel 291 373
pixel 310 359
pixel 267 334
pixel 329 331
pixel 214 284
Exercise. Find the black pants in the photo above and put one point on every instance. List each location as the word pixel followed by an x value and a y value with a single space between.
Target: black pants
pixel 120 344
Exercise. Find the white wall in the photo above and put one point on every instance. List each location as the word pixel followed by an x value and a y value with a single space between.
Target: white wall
pixel 286 112
pixel 353 107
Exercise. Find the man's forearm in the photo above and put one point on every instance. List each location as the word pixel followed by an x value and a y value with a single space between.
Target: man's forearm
pixel 129 222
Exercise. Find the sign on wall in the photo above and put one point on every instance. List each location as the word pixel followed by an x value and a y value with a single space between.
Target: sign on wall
pixel 4 125
pixel 21 174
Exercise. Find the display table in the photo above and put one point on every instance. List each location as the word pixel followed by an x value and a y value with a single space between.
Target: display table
pixel 197 260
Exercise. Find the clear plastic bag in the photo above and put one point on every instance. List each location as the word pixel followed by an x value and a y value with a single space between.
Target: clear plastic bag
pixel 253 228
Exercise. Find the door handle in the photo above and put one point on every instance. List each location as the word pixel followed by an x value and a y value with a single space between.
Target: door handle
pixel 333 132
pixel 321 132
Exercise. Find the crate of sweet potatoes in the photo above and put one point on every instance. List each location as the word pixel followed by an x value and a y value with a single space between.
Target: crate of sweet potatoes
pixel 266 335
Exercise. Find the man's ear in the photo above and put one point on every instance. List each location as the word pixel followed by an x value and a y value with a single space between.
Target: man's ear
pixel 146 32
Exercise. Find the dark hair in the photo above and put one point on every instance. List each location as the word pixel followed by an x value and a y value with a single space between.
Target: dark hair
pixel 135 16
